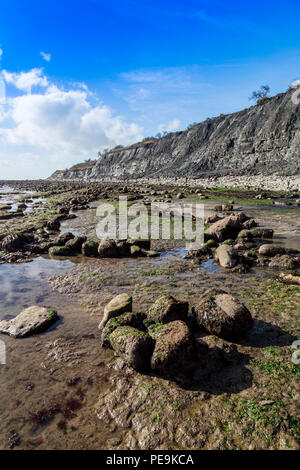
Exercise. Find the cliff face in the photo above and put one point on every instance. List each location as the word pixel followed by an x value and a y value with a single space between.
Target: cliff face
pixel 262 139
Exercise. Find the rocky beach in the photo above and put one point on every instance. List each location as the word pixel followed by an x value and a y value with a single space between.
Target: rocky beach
pixel 149 230
pixel 95 330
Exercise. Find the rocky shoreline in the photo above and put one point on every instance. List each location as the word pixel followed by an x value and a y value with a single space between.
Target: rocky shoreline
pixel 101 350
pixel 256 182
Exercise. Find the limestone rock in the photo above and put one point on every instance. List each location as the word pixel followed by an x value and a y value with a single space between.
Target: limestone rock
pixel 284 262
pixel 175 350
pixel 13 242
pixel 53 224
pixel 75 244
pixel 59 251
pixel 142 243
pixel 223 315
pixel 227 256
pixel 262 232
pixel 167 309
pixel 270 250
pixel 90 248
pixel 108 249
pixel 229 227
pixel 134 346
pixel 30 321
pixel 134 319
pixel 120 304
pixel 62 239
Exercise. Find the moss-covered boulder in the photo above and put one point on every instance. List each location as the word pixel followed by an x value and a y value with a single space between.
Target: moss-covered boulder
pixel 262 233
pixel 136 251
pixel 120 304
pixel 90 248
pixel 142 243
pixel 108 249
pixel 59 251
pixel 223 315
pixel 53 223
pixel 250 223
pixel 245 235
pixel 63 238
pixel 134 319
pixel 284 262
pixel 134 346
pixel 14 242
pixel 123 248
pixel 29 322
pixel 166 309
pixel 175 349
pixel 75 244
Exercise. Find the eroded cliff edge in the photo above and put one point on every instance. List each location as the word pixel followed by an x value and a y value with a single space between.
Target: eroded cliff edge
pixel 263 139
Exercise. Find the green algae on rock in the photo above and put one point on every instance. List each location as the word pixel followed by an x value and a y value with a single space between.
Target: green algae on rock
pixel 133 345
pixel 120 304
pixel 166 309
pixel 29 322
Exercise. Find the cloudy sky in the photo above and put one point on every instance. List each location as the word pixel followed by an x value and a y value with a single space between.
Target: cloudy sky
pixel 80 76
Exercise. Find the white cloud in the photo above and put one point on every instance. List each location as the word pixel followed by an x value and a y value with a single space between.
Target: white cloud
pixel 60 126
pixel 46 56
pixel 25 81
pixel 1 53
pixel 172 126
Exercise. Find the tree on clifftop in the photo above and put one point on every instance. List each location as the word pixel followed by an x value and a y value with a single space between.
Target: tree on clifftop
pixel 260 95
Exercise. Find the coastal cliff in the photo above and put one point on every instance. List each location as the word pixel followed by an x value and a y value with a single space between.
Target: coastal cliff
pixel 263 139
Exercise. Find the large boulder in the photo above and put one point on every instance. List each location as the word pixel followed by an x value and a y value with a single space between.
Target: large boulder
pixel 90 248
pixel 120 304
pixel 108 249
pixel 134 319
pixel 136 251
pixel 13 242
pixel 223 315
pixel 284 262
pixel 270 250
pixel 75 244
pixel 142 243
pixel 245 235
pixel 224 208
pixel 17 241
pixel 167 309
pixel 134 346
pixel 53 224
pixel 227 256
pixel 175 349
pixel 259 232
pixel 250 223
pixel 123 248
pixel 222 230
pixel 62 239
pixel 30 321
pixel 59 251
pixel 212 219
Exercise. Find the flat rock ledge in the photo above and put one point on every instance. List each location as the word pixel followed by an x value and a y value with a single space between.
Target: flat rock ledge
pixel 29 322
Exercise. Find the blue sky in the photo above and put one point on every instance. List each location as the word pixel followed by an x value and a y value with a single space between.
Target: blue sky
pixel 83 76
